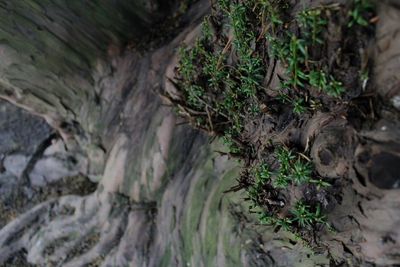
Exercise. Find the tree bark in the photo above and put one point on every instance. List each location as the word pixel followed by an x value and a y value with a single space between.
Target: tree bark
pixel 159 200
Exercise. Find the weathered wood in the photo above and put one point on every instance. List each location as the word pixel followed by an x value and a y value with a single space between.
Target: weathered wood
pixel 160 199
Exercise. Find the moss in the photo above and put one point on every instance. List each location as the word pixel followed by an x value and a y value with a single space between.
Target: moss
pixel 206 206
pixel 215 213
pixel 166 258
pixel 195 209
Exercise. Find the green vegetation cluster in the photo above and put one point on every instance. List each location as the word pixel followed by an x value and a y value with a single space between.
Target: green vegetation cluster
pixel 292 171
pixel 222 79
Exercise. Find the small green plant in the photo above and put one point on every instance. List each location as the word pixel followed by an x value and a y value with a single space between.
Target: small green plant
pixel 320 184
pixel 283 97
pixel 213 70
pixel 284 223
pixel 285 157
pixel 301 214
pixel 318 79
pixel 186 67
pixel 301 172
pixel 263 174
pixel 266 218
pixel 224 5
pixel 304 217
pixel 281 181
pixel 243 35
pixel 270 11
pixel 356 15
pixel 312 25
pixel 298 106
pixel 206 33
pixel 325 83
pixel 294 52
pixel 278 48
pixel 318 217
pixel 334 88
pixel 297 56
pixel 194 94
pixel 251 74
pixel 254 109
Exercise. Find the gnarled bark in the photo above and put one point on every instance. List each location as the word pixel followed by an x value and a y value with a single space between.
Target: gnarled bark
pixel 159 200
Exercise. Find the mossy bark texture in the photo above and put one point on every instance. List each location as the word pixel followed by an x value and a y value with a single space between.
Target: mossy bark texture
pixel 160 201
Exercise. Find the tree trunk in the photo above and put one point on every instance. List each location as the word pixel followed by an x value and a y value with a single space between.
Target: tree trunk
pixel 93 71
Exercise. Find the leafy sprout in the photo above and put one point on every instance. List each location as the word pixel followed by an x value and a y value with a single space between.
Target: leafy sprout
pixel 301 172
pixel 270 11
pixel 266 218
pixel 285 223
pixel 206 30
pixel 302 214
pixel 263 174
pixel 213 70
pixel 335 88
pixel 224 5
pixel 298 106
pixel 281 181
pixel 325 83
pixel 318 217
pixel 297 56
pixel 318 79
pixel 312 24
pixel 194 94
pixel 320 183
pixel 285 156
pixel 278 48
pixel 356 15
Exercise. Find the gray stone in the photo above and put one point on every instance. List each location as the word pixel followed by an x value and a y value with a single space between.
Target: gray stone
pixel 20 131
pixel 15 164
pixel 51 169
pixel 396 101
